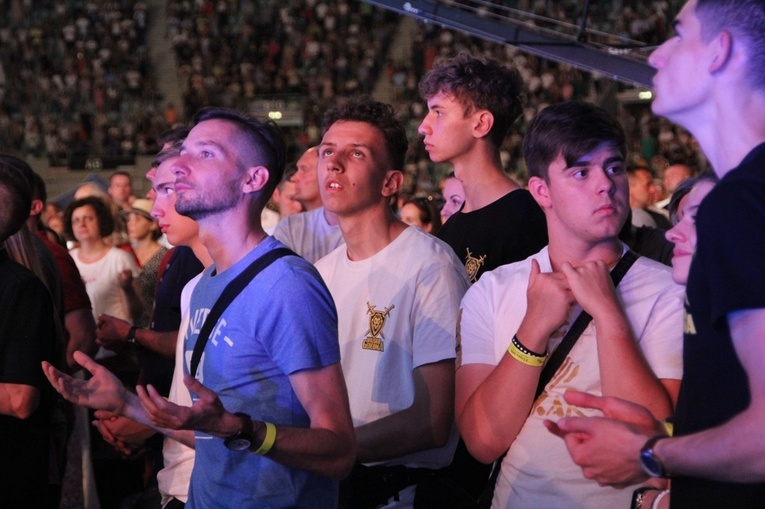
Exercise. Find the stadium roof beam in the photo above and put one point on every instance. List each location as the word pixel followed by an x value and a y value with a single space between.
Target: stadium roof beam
pixel 558 47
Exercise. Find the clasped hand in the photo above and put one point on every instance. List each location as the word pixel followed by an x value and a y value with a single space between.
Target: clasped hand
pixel 551 295
pixel 607 448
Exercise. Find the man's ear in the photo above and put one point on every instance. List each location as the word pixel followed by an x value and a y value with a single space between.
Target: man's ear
pixel 394 179
pixel 722 47
pixel 36 208
pixel 256 179
pixel 484 123
pixel 540 190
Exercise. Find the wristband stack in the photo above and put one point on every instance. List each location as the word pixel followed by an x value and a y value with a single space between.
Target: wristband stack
pixel 524 355
pixel 268 440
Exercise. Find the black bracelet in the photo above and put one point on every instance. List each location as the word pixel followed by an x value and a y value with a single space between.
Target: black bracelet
pixel 639 495
pixel 130 338
pixel 517 343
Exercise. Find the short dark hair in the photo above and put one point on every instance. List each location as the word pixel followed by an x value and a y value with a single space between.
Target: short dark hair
pixel 173 135
pixel 103 215
pixel 264 144
pixel 633 169
pixel 39 190
pixel 745 19
pixel 478 83
pixel 16 196
pixel 120 173
pixel 377 114
pixel 571 129
pixel 165 154
pixel 36 183
pixel 429 214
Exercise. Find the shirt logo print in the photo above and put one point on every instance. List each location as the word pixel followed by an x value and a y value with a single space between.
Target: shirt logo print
pixel 376 323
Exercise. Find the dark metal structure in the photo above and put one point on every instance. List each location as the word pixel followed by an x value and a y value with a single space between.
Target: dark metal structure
pixel 589 50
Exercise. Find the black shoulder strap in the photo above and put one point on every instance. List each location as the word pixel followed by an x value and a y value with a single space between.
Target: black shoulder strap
pixel 229 293
pixel 557 358
pixel 577 328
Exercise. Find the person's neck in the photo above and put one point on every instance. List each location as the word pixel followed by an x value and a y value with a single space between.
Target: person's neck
pixel 578 252
pixel 33 222
pixel 483 179
pixel 366 234
pixel 201 252
pixel 145 248
pixel 728 130
pixel 93 249
pixel 330 217
pixel 312 205
pixel 230 235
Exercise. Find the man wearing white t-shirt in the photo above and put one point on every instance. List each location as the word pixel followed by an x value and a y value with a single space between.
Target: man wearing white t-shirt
pixel 515 315
pixel 397 291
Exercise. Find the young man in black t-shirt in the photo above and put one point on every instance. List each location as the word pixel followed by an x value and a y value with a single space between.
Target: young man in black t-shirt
pixel 27 338
pixel 472 103
pixel 711 80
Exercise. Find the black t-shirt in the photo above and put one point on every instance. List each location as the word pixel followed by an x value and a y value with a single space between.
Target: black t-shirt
pixel 180 269
pixel 507 230
pixel 26 339
pixel 650 242
pixel 726 275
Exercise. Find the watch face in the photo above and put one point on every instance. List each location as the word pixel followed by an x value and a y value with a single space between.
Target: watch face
pixel 651 465
pixel 238 444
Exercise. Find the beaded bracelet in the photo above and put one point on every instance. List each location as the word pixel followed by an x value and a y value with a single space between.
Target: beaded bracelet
pixel 519 346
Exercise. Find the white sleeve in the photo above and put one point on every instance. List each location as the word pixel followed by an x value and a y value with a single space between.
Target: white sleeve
pixel 476 326
pixel 283 234
pixel 662 338
pixel 438 297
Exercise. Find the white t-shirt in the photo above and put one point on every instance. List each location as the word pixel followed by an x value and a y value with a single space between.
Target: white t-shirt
pixel 173 480
pixel 269 219
pixel 396 311
pixel 309 234
pixel 103 287
pixel 102 284
pixel 537 470
pixel 642 218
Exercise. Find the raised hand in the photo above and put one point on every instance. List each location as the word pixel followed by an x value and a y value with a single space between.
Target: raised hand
pixel 125 278
pixel 111 330
pixel 102 392
pixel 549 300
pixel 591 286
pixel 205 414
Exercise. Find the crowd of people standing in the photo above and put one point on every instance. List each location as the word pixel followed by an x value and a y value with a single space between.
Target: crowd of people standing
pixel 527 332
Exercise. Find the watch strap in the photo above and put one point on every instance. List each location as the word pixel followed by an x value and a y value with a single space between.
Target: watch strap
pixel 244 433
pixel 647 454
pixel 130 338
